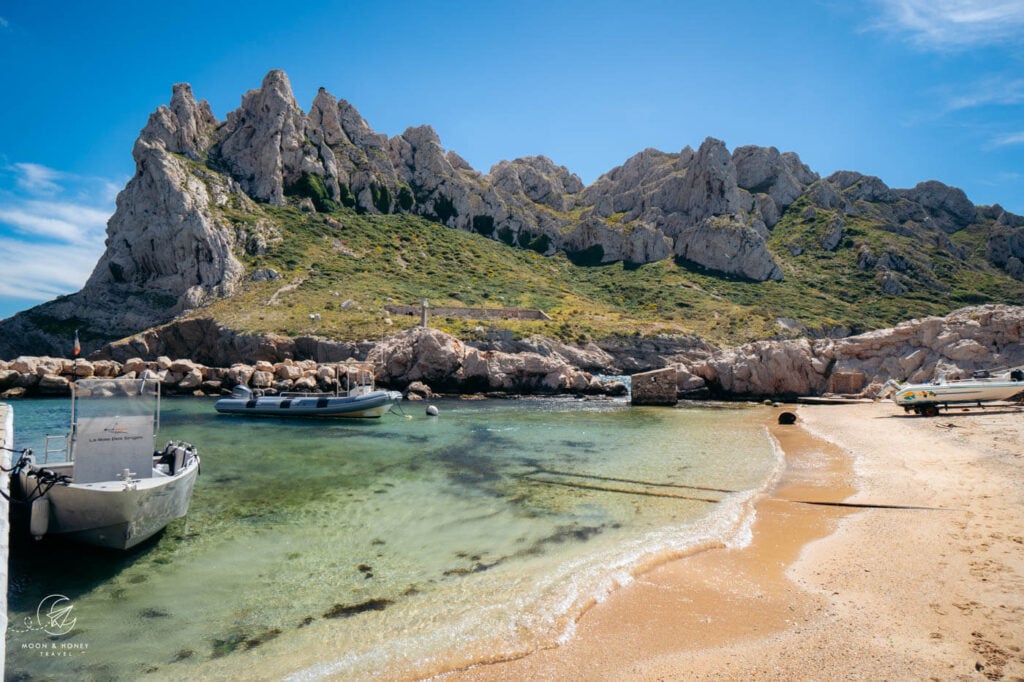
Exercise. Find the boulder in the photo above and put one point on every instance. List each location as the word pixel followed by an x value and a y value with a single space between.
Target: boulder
pixel 185 366
pixel 261 379
pixel 418 390
pixel 50 384
pixel 191 380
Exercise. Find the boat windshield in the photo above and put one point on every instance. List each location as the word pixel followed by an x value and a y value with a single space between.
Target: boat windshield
pixel 114 422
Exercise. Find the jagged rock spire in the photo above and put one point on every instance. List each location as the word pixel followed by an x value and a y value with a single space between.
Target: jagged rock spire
pixel 264 139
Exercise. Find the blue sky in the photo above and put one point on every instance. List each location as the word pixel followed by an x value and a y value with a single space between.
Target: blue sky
pixel 908 90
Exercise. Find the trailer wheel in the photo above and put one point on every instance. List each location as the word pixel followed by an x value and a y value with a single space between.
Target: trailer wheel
pixel 930 410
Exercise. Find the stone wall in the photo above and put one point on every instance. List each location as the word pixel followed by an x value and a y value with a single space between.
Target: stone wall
pixel 659 387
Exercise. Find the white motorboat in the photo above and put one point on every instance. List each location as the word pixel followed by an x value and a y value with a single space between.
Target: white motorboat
pixel 107 486
pixel 360 400
pixel 982 387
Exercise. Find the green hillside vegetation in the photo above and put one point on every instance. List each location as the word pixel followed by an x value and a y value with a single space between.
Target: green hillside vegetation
pixel 347 267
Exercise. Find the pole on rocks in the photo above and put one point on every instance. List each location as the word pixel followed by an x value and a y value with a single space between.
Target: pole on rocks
pixel 423 313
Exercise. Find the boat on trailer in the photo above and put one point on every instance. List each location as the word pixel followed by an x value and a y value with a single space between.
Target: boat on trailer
pixel 982 387
pixel 103 483
pixel 360 399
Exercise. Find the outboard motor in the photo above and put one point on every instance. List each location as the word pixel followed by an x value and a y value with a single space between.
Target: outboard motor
pixel 241 392
pixel 1017 375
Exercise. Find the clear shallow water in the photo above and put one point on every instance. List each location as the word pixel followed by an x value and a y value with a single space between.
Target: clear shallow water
pixel 352 548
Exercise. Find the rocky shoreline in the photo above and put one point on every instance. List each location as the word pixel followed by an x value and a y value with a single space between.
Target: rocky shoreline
pixel 422 362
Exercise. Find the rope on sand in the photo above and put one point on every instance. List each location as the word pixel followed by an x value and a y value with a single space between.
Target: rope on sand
pixel 864 505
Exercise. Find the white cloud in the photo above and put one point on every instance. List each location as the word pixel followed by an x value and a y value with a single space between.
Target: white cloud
pixel 50 243
pixel 71 223
pixel 37 179
pixel 1009 139
pixel 42 271
pixel 954 24
pixel 991 91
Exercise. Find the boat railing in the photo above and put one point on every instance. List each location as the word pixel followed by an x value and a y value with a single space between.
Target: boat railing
pixel 350 379
pixel 355 390
pixel 61 447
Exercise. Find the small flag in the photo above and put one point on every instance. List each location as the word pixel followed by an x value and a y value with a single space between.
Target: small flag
pixel 78 347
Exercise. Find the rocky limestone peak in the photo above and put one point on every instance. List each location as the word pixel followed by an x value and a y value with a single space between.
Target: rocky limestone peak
pixel 356 128
pixel 264 138
pixel 763 170
pixel 166 250
pixel 196 122
pixel 458 162
pixel 163 236
pixel 539 180
pixel 757 168
pixel 352 160
pixel 185 127
pixel 947 207
pixel 858 187
pixel 420 159
pixel 801 171
pixel 695 198
pixel 622 189
pixel 706 188
pixel 325 119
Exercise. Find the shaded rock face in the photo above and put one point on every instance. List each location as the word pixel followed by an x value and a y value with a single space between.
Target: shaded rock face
pixel 983 337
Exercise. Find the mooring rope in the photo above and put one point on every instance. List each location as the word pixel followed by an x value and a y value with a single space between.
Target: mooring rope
pixel 556 472
pixel 646 493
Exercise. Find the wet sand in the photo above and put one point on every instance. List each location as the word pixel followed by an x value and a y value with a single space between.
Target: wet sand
pixel 924 581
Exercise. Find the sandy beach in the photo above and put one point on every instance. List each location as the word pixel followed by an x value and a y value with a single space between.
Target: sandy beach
pixel 919 575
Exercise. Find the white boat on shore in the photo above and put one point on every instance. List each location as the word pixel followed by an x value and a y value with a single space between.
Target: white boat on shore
pixel 360 400
pixel 982 387
pixel 108 486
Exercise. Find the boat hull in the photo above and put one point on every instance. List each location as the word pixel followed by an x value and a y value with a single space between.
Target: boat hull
pixel 111 514
pixel 956 392
pixel 373 404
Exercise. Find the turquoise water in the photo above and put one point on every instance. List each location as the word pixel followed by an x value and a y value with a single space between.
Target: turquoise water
pixel 387 548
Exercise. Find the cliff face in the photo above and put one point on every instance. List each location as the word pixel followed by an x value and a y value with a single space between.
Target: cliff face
pixel 184 220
